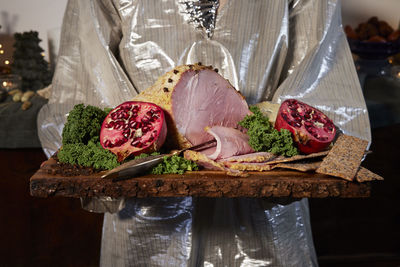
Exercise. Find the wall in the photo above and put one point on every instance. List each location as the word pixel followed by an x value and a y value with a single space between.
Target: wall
pixel 356 11
pixel 43 16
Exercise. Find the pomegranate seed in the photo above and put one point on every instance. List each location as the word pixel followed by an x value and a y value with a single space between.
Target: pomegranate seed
pixel 107 143
pixel 126 133
pixel 135 142
pixel 137 125
pixel 145 129
pixel 120 115
pixel 285 117
pixel 132 124
pixel 114 115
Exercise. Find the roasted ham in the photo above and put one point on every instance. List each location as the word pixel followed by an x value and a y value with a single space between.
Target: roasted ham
pixel 195 97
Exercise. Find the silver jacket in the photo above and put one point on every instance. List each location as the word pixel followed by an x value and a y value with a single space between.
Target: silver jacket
pixel 269 50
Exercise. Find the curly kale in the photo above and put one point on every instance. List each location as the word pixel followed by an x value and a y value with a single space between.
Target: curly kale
pixel 80 139
pixel 83 125
pixel 174 164
pixel 264 137
pixel 90 155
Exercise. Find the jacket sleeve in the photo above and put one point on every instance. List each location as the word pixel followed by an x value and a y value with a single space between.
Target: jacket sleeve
pixel 319 68
pixel 87 53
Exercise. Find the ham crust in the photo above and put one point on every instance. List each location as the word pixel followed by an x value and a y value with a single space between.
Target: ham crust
pixel 193 97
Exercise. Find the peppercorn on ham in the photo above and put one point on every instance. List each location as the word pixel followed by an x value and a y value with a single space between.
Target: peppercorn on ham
pixel 195 97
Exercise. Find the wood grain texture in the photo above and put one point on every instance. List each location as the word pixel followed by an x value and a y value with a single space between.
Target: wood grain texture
pixel 277 183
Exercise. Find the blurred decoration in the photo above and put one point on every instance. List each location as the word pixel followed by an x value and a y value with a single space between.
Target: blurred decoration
pixel 373 31
pixel 6 52
pixel 396 72
pixel 10 82
pixel 29 62
pixel 375 45
pixel 395 60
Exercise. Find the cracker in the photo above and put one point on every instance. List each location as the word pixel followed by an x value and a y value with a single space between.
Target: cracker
pixel 365 175
pixel 251 157
pixel 247 166
pixel 302 166
pixel 344 158
pixel 203 160
pixel 281 159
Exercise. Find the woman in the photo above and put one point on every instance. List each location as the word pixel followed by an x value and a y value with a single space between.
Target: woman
pixel 269 50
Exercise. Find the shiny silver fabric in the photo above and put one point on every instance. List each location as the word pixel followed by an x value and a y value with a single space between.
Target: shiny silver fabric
pixel 269 50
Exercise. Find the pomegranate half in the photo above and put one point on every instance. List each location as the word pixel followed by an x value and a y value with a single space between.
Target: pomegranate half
pixel 133 128
pixel 312 130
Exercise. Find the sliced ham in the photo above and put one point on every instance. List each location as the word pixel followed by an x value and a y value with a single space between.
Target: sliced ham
pixel 194 97
pixel 230 142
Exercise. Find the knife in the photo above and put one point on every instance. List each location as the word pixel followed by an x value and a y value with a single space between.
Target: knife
pixel 136 167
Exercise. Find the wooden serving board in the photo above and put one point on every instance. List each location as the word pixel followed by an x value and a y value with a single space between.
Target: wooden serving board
pixel 277 183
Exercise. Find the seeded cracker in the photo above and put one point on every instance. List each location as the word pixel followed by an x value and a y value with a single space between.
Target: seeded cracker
pixel 344 159
pixel 249 166
pixel 298 157
pixel 302 166
pixel 364 175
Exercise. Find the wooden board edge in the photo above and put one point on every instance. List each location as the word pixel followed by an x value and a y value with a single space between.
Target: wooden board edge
pixel 43 185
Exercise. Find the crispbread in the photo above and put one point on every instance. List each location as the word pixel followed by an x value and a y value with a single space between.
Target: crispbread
pixel 344 159
pixel 365 175
pixel 281 159
pixel 252 157
pixel 302 166
pixel 249 166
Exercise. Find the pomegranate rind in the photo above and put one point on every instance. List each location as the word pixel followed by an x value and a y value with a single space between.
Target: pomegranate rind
pixel 150 140
pixel 305 141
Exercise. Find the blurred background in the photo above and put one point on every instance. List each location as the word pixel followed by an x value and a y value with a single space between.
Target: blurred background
pixel 48 232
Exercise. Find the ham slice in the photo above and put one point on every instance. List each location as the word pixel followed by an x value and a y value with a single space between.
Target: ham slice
pixel 230 142
pixel 194 97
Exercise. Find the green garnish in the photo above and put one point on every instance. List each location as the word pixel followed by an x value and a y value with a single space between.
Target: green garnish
pixel 83 125
pixel 80 139
pixel 81 145
pixel 90 155
pixel 264 137
pixel 174 164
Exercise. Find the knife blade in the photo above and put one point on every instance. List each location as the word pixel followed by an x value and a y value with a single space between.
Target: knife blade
pixel 136 167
